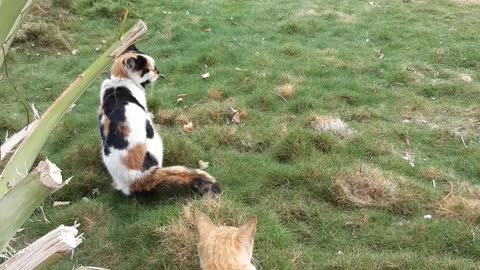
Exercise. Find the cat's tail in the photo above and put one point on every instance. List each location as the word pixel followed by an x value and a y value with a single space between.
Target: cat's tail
pixel 178 176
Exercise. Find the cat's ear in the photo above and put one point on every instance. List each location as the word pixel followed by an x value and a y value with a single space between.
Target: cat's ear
pixel 247 231
pixel 132 48
pixel 130 63
pixel 203 225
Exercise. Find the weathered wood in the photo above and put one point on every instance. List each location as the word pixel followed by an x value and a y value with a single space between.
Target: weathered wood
pixel 46 250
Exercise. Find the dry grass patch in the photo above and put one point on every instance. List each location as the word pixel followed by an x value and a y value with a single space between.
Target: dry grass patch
pixel 461 208
pixel 215 94
pixel 43 24
pixel 461 203
pixel 371 187
pixel 170 118
pixel 287 90
pixel 367 186
pixel 328 124
pixel 178 237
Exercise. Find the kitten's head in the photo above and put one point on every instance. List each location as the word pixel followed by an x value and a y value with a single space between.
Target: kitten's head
pixel 136 66
pixel 221 247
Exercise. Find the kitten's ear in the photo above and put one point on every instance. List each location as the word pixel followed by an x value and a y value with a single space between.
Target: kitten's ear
pixel 132 48
pixel 130 63
pixel 203 225
pixel 247 231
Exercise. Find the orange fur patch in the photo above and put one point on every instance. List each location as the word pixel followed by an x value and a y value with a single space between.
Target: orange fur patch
pixel 106 125
pixel 122 129
pixel 135 157
pixel 118 68
pixel 176 175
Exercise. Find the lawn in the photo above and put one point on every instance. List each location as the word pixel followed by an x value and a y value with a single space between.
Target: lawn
pixel 404 76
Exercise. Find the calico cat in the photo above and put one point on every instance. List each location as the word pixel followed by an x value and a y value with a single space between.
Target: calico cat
pixel 221 248
pixel 132 150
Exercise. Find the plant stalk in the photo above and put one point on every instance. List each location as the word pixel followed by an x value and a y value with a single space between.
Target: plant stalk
pixel 20 202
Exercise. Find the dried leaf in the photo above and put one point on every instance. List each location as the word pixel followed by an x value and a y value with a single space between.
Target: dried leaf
pixel 202 164
pixel 236 118
pixel 188 127
pixel 206 75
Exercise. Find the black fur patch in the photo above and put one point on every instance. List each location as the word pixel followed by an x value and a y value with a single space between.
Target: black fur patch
pixel 149 130
pixel 114 102
pixel 132 48
pixel 149 161
pixel 205 186
pixel 102 136
pixel 143 84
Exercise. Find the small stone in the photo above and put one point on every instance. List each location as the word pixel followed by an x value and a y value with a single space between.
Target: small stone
pixel 427 217
pixel 96 192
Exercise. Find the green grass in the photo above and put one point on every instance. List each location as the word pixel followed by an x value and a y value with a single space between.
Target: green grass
pixel 272 165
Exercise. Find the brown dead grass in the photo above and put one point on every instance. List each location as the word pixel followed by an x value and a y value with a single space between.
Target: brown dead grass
pixel 367 187
pixel 43 25
pixel 178 237
pixel 215 94
pixel 461 208
pixel 431 173
pixel 287 90
pixel 461 203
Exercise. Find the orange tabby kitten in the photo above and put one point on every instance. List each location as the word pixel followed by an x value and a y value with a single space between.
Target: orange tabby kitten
pixel 222 248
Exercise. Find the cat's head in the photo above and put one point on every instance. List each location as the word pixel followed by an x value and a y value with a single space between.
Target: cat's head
pixel 221 247
pixel 136 66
